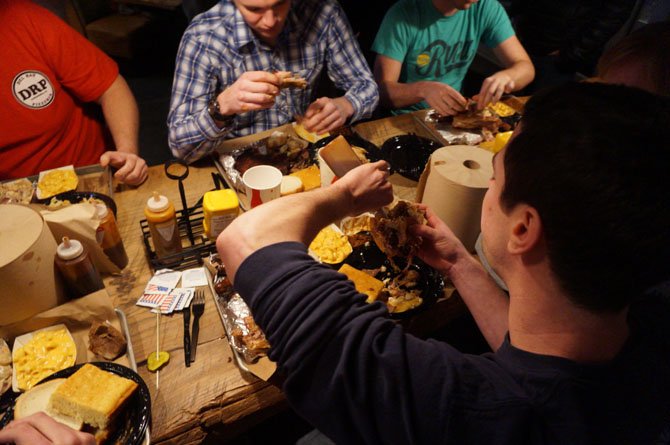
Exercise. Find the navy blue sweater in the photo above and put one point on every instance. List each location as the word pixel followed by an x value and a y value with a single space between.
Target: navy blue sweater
pixel 356 376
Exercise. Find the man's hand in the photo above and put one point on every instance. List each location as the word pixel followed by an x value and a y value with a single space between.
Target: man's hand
pixel 326 114
pixel 253 90
pixel 493 88
pixel 40 429
pixel 366 187
pixel 440 249
pixel 443 98
pixel 132 169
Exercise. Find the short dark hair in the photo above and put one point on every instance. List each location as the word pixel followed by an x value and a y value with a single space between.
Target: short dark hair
pixel 648 48
pixel 594 160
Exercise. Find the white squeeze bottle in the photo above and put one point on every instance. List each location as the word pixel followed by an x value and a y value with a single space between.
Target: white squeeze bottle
pixel 162 225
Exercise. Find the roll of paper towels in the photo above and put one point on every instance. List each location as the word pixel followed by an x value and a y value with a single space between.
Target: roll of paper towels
pixel 453 186
pixel 29 283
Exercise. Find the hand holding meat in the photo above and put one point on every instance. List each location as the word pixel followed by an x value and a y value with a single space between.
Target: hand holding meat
pixel 494 87
pixel 440 249
pixel 443 98
pixel 326 114
pixel 367 187
pixel 253 90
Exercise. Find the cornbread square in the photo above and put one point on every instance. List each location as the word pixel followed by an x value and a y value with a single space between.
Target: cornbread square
pixel 364 283
pixel 92 395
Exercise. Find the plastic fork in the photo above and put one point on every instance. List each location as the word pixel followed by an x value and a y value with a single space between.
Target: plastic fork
pixel 198 308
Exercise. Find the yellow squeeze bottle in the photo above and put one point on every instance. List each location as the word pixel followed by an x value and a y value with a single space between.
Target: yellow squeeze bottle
pixel 220 208
pixel 163 226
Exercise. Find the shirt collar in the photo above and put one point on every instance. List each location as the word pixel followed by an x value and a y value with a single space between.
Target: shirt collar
pixel 243 35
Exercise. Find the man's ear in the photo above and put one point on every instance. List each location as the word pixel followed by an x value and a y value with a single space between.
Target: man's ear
pixel 526 230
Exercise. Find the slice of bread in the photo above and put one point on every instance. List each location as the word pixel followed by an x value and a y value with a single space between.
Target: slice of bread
pixel 92 395
pixel 37 399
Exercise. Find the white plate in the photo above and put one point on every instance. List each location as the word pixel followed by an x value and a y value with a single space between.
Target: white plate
pixel 21 341
pixel 38 192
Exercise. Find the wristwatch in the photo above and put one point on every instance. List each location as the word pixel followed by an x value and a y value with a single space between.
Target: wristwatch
pixel 214 111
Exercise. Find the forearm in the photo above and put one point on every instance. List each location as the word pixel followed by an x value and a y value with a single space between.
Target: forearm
pixel 296 217
pixel 399 95
pixel 488 304
pixel 121 115
pixel 521 72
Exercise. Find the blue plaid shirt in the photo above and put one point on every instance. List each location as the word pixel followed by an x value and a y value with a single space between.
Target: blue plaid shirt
pixel 218 47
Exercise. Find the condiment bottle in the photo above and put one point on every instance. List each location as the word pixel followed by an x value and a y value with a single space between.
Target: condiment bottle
pixel 220 208
pixel 76 267
pixel 162 225
pixel 109 238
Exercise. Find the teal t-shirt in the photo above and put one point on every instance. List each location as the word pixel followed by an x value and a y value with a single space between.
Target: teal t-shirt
pixel 434 47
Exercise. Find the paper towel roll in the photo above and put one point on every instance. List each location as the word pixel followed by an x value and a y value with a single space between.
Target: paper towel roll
pixel 29 283
pixel 454 185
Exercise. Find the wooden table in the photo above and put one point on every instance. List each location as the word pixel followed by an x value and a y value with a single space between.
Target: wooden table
pixel 213 393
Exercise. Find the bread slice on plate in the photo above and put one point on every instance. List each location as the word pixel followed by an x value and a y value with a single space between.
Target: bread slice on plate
pixel 92 395
pixel 37 398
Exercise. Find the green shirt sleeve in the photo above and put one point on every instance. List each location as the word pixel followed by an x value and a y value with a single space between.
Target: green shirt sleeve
pixel 498 27
pixel 394 34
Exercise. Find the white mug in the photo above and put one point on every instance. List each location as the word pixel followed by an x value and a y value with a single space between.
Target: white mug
pixel 262 183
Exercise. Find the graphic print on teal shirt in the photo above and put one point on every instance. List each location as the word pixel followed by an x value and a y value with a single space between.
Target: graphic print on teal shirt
pixel 434 47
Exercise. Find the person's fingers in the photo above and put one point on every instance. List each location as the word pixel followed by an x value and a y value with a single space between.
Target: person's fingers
pixel 138 173
pixel 114 158
pixel 125 169
pixel 53 431
pixel 20 433
pixel 247 97
pixel 327 122
pixel 104 159
pixel 260 88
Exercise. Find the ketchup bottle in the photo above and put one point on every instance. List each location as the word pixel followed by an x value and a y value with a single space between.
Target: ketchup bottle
pixel 109 238
pixel 76 267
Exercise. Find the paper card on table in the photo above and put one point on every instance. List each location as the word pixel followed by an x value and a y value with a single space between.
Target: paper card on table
pixel 194 277
pixel 166 278
pixel 156 289
pixel 339 156
pixel 151 299
pixel 167 305
pixel 184 296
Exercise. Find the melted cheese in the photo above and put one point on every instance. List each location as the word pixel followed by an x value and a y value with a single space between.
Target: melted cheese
pixel 45 353
pixel 331 246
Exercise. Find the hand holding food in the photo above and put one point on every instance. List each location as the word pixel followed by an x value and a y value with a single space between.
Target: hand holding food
pixel 367 187
pixel 493 88
pixel 443 98
pixel 440 248
pixel 391 229
pixel 326 114
pixel 40 429
pixel 132 169
pixel 253 90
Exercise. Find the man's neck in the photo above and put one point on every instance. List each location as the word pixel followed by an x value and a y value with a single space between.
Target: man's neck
pixel 444 7
pixel 543 321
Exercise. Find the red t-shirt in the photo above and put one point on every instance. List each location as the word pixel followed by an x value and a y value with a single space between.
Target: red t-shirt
pixel 48 72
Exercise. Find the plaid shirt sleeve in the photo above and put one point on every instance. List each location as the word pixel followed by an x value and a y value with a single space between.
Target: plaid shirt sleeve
pixel 347 67
pixel 192 132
